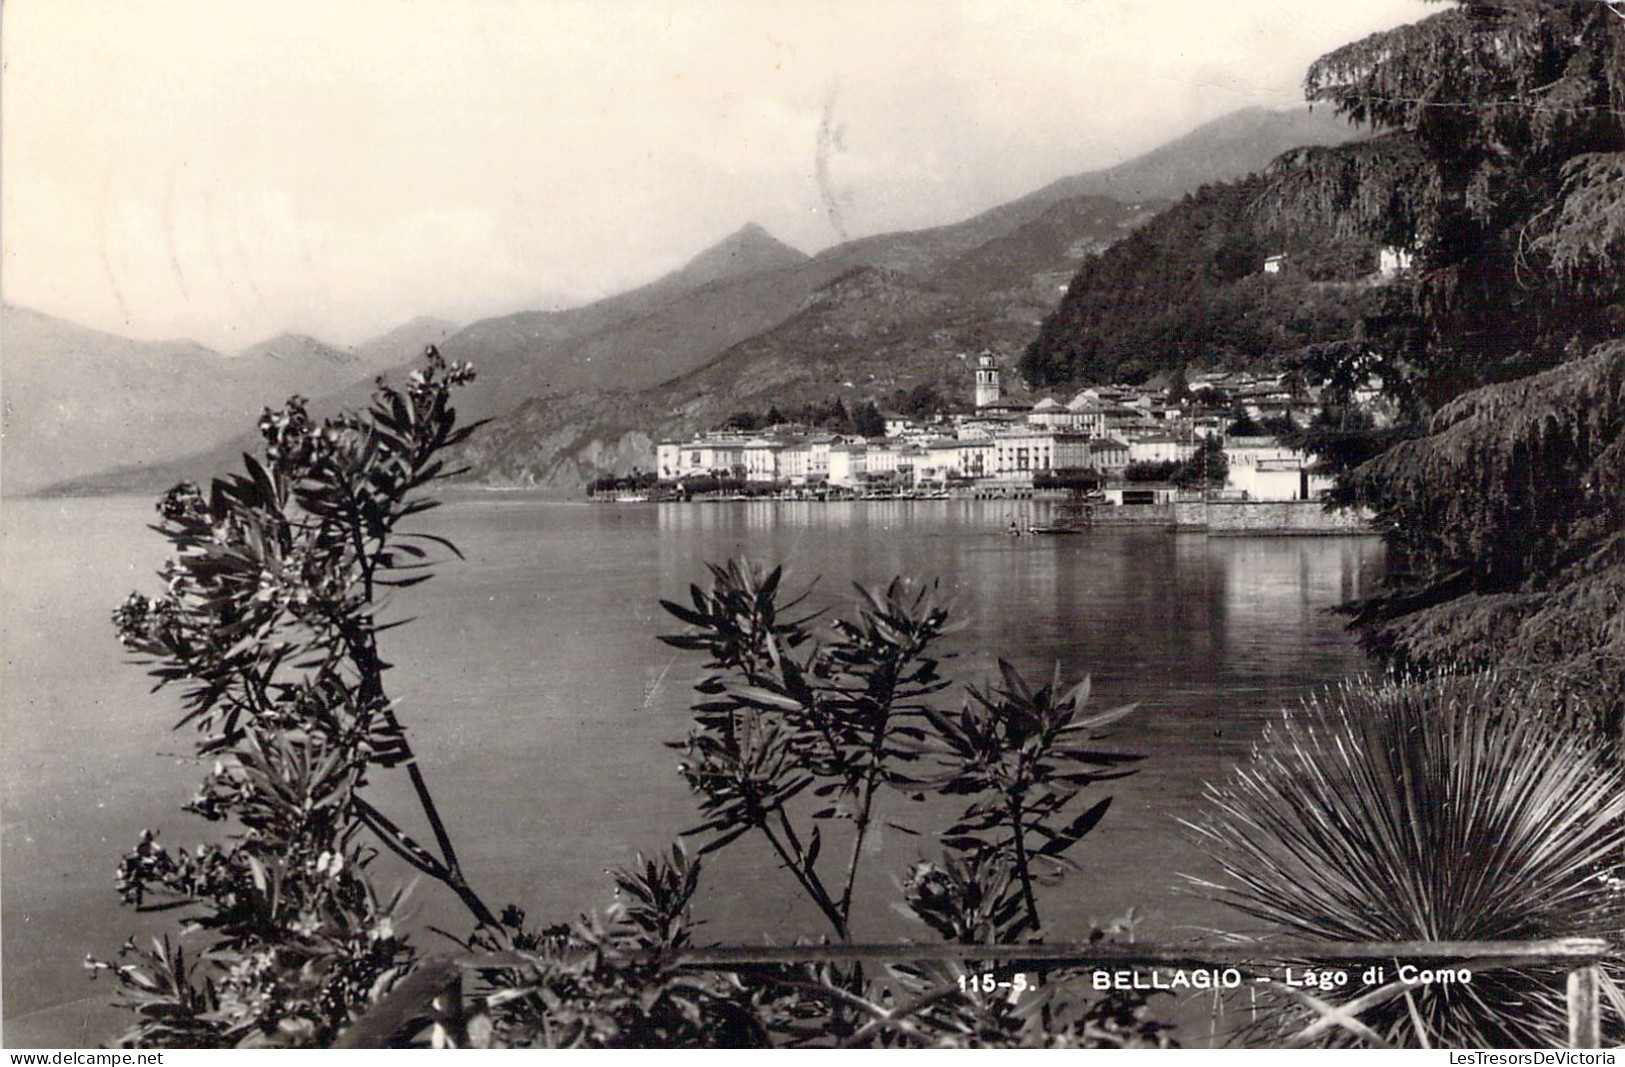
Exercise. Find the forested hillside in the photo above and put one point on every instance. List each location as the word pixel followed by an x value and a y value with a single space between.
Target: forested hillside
pixel 1501 163
pixel 1190 287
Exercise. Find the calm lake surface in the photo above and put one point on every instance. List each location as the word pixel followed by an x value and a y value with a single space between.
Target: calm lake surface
pixel 539 699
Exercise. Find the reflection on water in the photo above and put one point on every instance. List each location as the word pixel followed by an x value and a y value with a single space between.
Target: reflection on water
pixel 535 688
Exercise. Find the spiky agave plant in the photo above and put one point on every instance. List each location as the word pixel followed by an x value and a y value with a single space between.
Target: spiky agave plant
pixel 1452 808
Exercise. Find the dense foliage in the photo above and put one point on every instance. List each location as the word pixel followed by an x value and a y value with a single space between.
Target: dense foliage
pixel 803 742
pixel 636 481
pixel 1189 289
pixel 268 626
pixel 1506 506
pixel 1163 471
pixel 1510 520
pixel 1208 467
pixel 850 719
pixel 1518 109
pixel 864 420
pixel 924 401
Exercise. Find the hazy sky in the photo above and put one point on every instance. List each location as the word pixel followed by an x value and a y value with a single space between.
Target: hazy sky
pixel 224 171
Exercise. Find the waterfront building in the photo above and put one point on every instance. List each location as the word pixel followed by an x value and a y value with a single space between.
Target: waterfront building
pixel 817 462
pixel 728 457
pixel 1261 468
pixel 974 458
pixel 1017 456
pixel 806 460
pixel 882 461
pixel 937 461
pixel 1108 455
pixel 668 459
pixel 1160 448
pixel 912 460
pixel 760 457
pixel 795 460
pixel 720 456
pixel 848 463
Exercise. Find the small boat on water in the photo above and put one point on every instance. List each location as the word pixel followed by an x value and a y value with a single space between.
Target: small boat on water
pixel 1024 526
pixel 632 498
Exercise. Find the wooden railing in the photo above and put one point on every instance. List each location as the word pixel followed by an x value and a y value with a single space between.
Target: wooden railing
pixel 432 996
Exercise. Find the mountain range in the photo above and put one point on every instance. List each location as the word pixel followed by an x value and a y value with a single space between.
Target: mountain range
pixel 585 390
pixel 74 398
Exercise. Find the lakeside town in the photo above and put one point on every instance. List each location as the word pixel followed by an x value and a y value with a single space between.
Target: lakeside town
pixel 345 722
pixel 1122 445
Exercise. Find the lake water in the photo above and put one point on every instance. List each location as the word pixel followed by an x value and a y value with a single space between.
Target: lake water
pixel 539 699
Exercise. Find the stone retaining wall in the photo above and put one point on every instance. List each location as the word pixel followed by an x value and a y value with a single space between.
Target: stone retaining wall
pixel 1134 515
pixel 1269 517
pixel 1237 517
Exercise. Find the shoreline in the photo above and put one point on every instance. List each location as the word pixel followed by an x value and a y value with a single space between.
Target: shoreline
pixel 1223 518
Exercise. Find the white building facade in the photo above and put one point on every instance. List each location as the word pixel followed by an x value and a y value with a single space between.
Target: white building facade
pixel 1261 468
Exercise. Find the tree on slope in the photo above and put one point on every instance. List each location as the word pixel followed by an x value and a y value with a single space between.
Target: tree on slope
pixel 1508 510
pixel 1518 109
pixel 1509 520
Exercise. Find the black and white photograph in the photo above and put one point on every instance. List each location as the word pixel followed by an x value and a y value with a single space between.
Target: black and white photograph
pixel 917 524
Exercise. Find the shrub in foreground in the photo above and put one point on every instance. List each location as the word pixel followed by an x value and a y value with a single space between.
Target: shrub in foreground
pixel 806 739
pixel 268 627
pixel 803 737
pixel 1452 808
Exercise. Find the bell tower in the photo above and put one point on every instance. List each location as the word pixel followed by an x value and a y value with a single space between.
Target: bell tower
pixel 987 380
